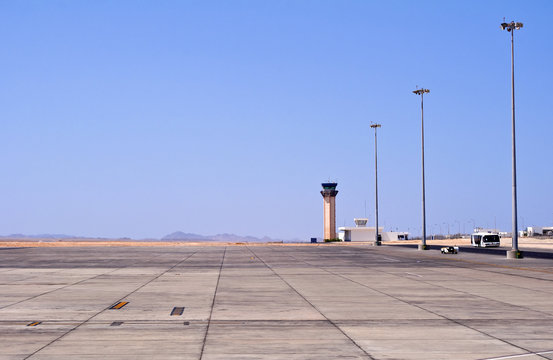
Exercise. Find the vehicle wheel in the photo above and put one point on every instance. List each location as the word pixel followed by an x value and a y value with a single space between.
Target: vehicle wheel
pixel 549 233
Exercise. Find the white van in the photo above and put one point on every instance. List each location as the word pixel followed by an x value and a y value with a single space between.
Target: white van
pixel 483 239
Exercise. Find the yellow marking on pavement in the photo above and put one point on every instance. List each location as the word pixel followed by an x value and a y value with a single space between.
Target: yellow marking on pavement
pixel 119 305
pixel 34 323
pixel 177 311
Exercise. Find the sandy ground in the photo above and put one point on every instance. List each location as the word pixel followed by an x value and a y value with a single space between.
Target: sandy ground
pixel 524 243
pixel 106 243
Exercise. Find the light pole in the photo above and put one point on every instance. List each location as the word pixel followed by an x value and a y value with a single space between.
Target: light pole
pixel 514 253
pixel 458 227
pixel 422 245
pixel 377 241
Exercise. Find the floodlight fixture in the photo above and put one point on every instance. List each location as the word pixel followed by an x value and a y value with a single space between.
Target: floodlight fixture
pixel 421 91
pixel 511 26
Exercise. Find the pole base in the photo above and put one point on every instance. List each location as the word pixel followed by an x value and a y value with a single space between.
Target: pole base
pixel 423 247
pixel 377 243
pixel 514 254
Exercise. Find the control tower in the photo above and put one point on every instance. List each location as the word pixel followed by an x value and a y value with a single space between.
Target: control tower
pixel 329 193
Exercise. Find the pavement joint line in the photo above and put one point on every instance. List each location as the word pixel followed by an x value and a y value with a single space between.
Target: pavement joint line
pixel 213 303
pixel 408 273
pixel 459 322
pixel 101 311
pixel 487 271
pixel 521 355
pixel 313 306
pixel 466 293
pixel 500 283
pixel 93 322
pixel 389 259
pixel 410 304
pixel 474 295
pixel 489 264
pixel 489 281
pixel 75 283
pixel 34 276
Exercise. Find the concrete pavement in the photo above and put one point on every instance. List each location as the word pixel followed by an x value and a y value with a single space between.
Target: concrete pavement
pixel 272 302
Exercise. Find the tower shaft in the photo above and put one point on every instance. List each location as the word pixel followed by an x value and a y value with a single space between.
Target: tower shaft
pixel 329 193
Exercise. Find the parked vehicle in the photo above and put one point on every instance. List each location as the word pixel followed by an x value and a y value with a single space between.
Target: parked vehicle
pixel 450 250
pixel 483 239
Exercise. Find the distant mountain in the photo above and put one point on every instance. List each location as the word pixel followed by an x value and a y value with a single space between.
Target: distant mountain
pixel 176 236
pixel 179 235
pixel 39 236
pixel 182 236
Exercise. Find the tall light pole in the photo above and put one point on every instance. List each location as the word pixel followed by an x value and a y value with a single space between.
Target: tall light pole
pixel 458 227
pixel 377 241
pixel 514 253
pixel 421 92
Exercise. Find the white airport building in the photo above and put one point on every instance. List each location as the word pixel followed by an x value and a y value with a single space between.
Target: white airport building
pixel 362 232
pixel 537 231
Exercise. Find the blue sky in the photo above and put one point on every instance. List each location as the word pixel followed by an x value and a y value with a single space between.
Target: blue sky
pixel 140 118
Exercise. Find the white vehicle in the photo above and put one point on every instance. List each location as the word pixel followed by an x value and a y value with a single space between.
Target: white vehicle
pixel 484 239
pixel 450 250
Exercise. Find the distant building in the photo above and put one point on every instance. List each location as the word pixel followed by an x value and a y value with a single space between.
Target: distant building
pixel 538 230
pixel 361 232
pixel 490 231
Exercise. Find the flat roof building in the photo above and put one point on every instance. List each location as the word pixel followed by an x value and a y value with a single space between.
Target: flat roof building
pixel 361 232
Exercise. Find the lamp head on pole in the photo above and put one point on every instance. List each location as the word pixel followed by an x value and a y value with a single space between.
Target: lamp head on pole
pixel 421 91
pixel 511 26
pixel 374 126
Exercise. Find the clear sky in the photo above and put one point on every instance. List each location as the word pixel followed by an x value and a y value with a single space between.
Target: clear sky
pixel 140 118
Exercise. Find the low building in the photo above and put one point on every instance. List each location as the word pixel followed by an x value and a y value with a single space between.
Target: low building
pixel 361 232
pixel 538 230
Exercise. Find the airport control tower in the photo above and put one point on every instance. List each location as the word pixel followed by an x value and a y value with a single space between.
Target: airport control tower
pixel 329 193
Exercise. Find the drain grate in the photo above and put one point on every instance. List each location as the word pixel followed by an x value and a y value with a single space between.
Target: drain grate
pixel 119 305
pixel 177 310
pixel 34 323
pixel 116 323
pixel 186 323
